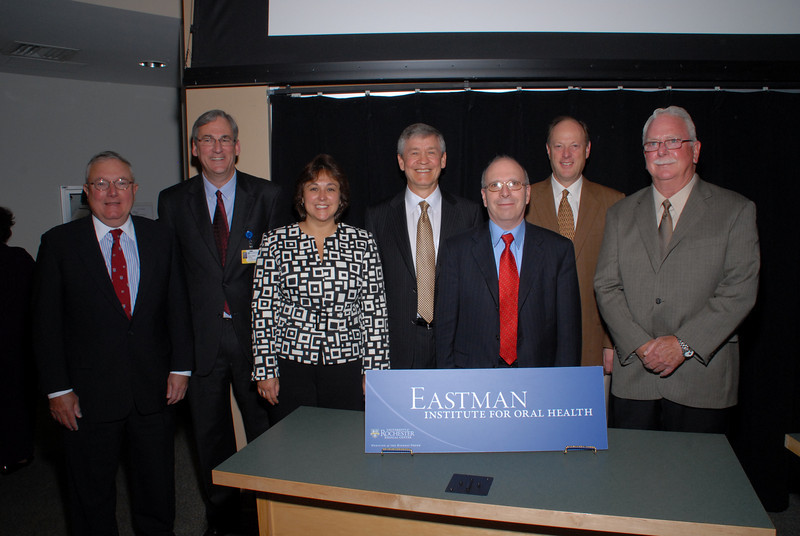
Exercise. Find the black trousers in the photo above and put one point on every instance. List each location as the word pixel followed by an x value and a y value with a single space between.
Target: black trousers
pixel 663 414
pixel 93 454
pixel 210 403
pixel 324 386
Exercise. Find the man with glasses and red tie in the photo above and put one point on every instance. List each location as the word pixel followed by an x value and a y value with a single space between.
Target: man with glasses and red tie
pixel 218 218
pixel 113 344
pixel 677 274
pixel 508 291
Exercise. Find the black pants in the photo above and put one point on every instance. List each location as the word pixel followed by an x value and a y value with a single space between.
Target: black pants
pixel 324 386
pixel 670 416
pixel 210 403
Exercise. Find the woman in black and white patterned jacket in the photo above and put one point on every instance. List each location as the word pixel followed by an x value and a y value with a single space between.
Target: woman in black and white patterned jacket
pixel 319 309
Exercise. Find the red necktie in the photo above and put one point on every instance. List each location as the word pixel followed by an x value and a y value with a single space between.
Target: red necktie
pixel 509 297
pixel 119 273
pixel 220 226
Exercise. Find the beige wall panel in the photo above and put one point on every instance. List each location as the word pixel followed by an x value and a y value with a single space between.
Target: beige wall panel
pixel 248 105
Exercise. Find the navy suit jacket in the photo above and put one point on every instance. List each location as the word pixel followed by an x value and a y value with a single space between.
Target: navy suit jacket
pixel 84 340
pixel 184 209
pixel 387 222
pixel 467 327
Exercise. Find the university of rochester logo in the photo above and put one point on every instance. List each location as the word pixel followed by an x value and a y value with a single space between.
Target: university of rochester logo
pixel 374 432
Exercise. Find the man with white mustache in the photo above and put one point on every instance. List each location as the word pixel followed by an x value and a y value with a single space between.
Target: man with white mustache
pixel 677 274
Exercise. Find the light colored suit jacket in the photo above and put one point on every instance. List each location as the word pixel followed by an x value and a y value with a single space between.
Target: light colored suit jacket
pixel 700 292
pixel 595 201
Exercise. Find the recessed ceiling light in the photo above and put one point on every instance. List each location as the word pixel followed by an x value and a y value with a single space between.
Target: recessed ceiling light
pixel 153 64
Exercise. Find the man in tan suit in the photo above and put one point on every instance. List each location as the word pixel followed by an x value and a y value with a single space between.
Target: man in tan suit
pixel 582 216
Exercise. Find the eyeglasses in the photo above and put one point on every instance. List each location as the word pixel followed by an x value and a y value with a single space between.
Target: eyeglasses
pixel 496 186
pixel 101 185
pixel 211 141
pixel 672 143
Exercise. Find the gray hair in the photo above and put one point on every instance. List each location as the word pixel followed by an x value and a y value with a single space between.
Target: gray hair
pixel 498 158
pixel 676 111
pixel 419 129
pixel 108 155
pixel 213 115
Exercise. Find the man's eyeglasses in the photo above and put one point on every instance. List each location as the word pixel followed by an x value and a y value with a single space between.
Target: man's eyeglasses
pixel 496 186
pixel 101 185
pixel 672 144
pixel 211 141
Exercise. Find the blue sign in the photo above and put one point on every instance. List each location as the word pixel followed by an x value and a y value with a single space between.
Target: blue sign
pixel 485 410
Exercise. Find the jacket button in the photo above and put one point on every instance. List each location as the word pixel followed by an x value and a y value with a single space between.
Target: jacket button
pixel 658 301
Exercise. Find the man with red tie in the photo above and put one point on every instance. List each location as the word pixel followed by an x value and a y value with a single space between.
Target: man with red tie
pixel 508 292
pixel 113 344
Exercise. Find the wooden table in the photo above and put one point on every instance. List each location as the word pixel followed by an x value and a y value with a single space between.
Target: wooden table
pixel 792 442
pixel 314 478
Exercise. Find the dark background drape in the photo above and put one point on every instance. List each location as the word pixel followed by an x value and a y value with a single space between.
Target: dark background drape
pixel 747 138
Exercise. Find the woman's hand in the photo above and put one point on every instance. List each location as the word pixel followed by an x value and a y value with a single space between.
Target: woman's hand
pixel 268 389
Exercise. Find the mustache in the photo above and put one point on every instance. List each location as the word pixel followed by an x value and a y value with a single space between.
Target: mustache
pixel 665 161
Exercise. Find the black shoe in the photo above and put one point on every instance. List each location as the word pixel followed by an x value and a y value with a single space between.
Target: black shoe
pixel 10 468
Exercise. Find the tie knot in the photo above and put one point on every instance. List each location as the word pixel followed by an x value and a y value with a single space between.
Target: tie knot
pixel 564 193
pixel 219 195
pixel 508 238
pixel 666 204
pixel 423 205
pixel 115 233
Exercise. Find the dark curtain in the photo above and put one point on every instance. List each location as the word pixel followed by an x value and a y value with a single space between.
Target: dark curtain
pixel 746 138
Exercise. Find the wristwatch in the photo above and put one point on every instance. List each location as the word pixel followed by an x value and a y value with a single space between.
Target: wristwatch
pixel 687 352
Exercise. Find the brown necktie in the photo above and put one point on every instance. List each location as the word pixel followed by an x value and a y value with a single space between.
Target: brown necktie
pixel 509 297
pixel 119 272
pixel 220 227
pixel 426 265
pixel 665 228
pixel 566 220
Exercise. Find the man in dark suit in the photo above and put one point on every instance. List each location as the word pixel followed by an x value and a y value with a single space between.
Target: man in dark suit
pixel 218 218
pixel 508 294
pixel 575 207
pixel 114 348
pixel 677 274
pixel 395 225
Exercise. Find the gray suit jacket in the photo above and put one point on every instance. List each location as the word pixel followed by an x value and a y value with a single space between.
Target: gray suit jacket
pixel 387 222
pixel 700 292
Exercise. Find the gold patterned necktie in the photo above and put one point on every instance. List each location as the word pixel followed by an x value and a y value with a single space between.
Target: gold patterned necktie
pixel 426 265
pixel 665 228
pixel 566 220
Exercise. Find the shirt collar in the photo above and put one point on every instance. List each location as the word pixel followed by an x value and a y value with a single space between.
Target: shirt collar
pixel 101 229
pixel 434 200
pixel 497 233
pixel 228 189
pixel 574 189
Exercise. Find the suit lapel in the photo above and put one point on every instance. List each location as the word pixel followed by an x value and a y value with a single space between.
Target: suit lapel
pixel 198 207
pixel 399 227
pixel 242 205
pixel 691 214
pixel 544 206
pixel 89 252
pixel 147 260
pixel 588 212
pixel 531 255
pixel 645 216
pixel 483 254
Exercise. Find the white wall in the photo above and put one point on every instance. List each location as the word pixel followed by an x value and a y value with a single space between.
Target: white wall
pixel 54 126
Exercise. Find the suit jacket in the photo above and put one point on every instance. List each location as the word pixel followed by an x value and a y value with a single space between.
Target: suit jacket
pixel 387 222
pixel 184 209
pixel 83 338
pixel 700 292
pixel 595 201
pixel 467 327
